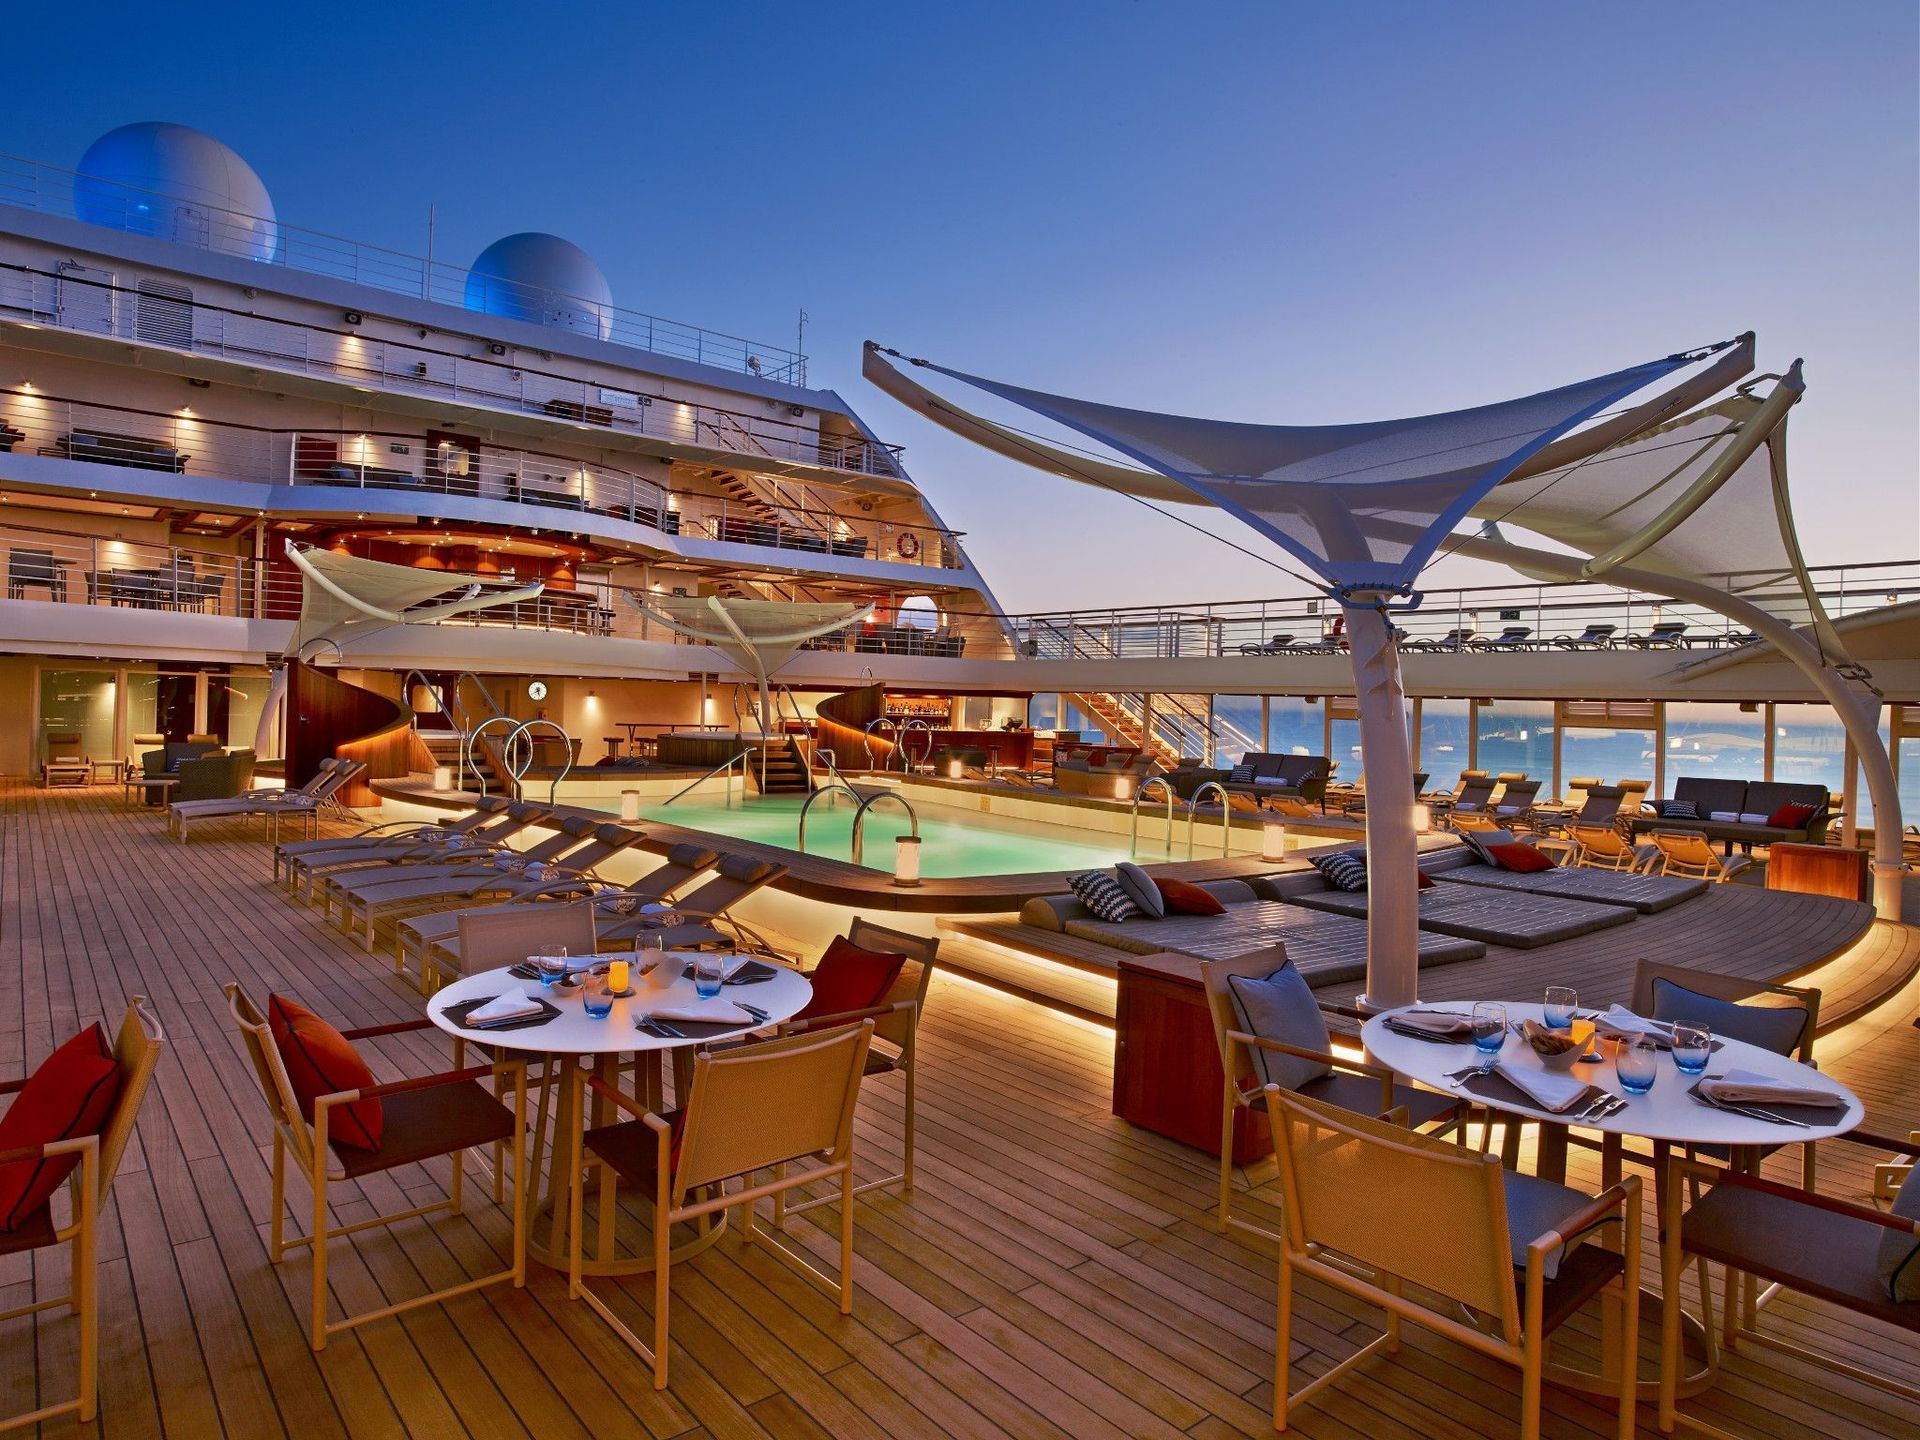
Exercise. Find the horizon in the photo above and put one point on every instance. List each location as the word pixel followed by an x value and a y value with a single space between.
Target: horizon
pixel 1276 218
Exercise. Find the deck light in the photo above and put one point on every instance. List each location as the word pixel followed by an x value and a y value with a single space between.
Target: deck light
pixel 442 778
pixel 629 804
pixel 1422 819
pixel 1273 840
pixel 906 860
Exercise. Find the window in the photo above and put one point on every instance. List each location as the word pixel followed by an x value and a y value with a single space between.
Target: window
pixel 1236 728
pixel 79 702
pixel 1443 742
pixel 1517 735
pixel 1713 742
pixel 1296 726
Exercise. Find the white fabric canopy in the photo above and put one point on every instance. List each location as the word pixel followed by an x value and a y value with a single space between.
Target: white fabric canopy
pixel 343 595
pixel 1314 489
pixel 758 635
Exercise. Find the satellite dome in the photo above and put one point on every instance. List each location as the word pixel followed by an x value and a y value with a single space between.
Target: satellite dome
pixel 178 184
pixel 543 279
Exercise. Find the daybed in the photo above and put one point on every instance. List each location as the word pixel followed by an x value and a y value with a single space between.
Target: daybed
pixel 1498 917
pixel 1643 894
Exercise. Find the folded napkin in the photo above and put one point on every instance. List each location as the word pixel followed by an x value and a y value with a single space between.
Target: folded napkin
pixel 1431 1022
pixel 1546 1089
pixel 575 963
pixel 513 1005
pixel 706 1012
pixel 1743 1087
pixel 1620 1021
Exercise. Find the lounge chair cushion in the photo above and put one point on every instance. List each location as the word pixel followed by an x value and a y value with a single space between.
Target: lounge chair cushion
pixel 1344 869
pixel 1524 859
pixel 745 869
pixel 1481 841
pixel 1521 919
pixel 691 857
pixel 1899 1258
pixel 1769 1027
pixel 850 978
pixel 319 1060
pixel 70 1094
pixel 1101 894
pixel 1178 897
pixel 1647 894
pixel 1281 1007
pixel 1140 889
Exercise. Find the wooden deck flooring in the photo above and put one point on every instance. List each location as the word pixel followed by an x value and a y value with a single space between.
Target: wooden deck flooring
pixel 1055 1275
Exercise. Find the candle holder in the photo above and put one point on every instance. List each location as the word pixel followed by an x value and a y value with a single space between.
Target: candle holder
pixel 906 860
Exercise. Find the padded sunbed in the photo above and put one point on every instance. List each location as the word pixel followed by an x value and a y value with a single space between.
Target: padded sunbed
pixel 1499 917
pixel 1644 894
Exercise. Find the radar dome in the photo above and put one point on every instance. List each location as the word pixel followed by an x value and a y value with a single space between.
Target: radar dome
pixel 176 183
pixel 543 279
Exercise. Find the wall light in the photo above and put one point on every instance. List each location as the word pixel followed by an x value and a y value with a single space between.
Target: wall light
pixel 1273 840
pixel 906 860
pixel 353 317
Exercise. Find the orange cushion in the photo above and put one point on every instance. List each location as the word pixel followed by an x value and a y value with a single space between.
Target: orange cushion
pixel 1522 858
pixel 849 978
pixel 1184 898
pixel 70 1095
pixel 322 1061
pixel 1426 880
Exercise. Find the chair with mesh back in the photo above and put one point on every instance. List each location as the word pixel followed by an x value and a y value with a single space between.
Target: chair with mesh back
pixel 1687 853
pixel 1405 1211
pixel 750 1110
pixel 1603 847
pixel 137 1048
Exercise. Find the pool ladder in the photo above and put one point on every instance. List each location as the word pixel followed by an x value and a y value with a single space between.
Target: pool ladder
pixel 1193 807
pixel 861 807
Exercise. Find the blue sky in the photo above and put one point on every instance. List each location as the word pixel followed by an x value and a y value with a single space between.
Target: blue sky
pixel 1267 212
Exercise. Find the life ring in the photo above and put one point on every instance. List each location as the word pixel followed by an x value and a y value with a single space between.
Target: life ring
pixel 908 545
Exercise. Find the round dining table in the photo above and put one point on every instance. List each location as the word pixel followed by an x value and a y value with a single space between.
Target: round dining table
pixel 572 1041
pixel 1669 1115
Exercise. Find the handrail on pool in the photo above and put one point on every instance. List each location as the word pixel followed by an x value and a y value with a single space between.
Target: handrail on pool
pixel 860 820
pixel 839 787
pixel 1226 817
pixel 1133 836
pixel 724 765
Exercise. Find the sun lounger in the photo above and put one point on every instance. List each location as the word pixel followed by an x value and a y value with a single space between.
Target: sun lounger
pixel 391 837
pixel 688 925
pixel 1513 637
pixel 1273 645
pixel 306 801
pixel 1524 921
pixel 1594 637
pixel 1667 635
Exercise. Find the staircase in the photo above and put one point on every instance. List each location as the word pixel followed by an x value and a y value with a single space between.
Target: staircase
pixel 786 770
pixel 1116 720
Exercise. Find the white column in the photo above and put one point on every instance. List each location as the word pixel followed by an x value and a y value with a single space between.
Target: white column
pixel 1393 852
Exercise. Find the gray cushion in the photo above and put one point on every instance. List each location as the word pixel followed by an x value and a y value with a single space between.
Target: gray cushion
pixel 691 857
pixel 1709 795
pixel 1282 1008
pixel 1481 841
pixel 1764 1025
pixel 1101 894
pixel 1899 1259
pixel 1535 1206
pixel 1140 889
pixel 1052 912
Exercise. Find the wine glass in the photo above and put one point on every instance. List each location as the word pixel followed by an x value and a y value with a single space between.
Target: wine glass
pixel 1692 1046
pixel 1637 1064
pixel 1562 1001
pixel 1489 1031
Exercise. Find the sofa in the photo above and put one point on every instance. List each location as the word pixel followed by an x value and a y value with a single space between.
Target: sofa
pixel 1101 771
pixel 1298 777
pixel 219 776
pixel 1736 811
pixel 137 452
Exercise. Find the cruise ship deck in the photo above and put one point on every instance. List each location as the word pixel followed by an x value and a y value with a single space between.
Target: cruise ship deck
pixel 1055 1273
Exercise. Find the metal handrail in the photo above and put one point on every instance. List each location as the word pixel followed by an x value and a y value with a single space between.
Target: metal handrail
pixel 926 756
pixel 467 742
pixel 860 820
pixel 1226 819
pixel 1133 836
pixel 518 732
pixel 873 724
pixel 837 788
pixel 724 765
pixel 832 761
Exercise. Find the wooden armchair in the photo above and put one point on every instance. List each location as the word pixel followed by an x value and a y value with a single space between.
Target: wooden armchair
pixel 1350 1083
pixel 751 1109
pixel 896 1021
pixel 1505 1245
pixel 137 1048
pixel 424 1118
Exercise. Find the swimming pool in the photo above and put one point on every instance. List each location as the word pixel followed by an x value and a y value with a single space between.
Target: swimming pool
pixel 952 843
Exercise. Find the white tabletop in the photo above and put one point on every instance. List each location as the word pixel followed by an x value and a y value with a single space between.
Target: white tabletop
pixel 1666 1112
pixel 574 1032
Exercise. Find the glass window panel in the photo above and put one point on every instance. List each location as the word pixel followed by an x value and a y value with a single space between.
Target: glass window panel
pixel 1613 755
pixel 1297 726
pixel 1517 735
pixel 1344 750
pixel 1443 742
pixel 1236 728
pixel 240 697
pixel 1713 742
pixel 79 702
pixel 1809 746
pixel 160 705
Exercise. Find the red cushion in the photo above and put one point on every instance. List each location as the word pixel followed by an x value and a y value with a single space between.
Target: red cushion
pixel 1426 880
pixel 1523 858
pixel 849 978
pixel 1184 898
pixel 321 1061
pixel 70 1095
pixel 1791 816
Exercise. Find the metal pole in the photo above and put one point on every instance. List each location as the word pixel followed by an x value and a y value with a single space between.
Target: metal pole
pixel 1393 850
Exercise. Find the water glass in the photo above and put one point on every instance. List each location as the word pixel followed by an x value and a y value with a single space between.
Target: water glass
pixel 1692 1047
pixel 598 998
pixel 552 968
pixel 1637 1063
pixel 709 969
pixel 1558 1011
pixel 1489 1029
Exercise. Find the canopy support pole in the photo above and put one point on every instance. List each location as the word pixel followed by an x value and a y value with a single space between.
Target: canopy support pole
pixel 1393 850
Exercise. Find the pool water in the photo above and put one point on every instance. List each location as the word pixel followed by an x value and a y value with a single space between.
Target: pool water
pixel 951 843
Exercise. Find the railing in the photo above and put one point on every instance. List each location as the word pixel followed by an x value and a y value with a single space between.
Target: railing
pixel 1139 798
pixel 368 362
pixel 34 186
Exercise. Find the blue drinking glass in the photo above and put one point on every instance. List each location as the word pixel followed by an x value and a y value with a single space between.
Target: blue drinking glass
pixel 1558 1011
pixel 709 969
pixel 1692 1048
pixel 552 968
pixel 1489 1031
pixel 1637 1063
pixel 597 998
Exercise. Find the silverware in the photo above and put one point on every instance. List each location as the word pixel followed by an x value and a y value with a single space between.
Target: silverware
pixel 754 1010
pixel 1750 1112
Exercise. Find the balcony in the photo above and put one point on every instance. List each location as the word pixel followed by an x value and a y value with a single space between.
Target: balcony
pixel 387 466
pixel 31 185
pixel 370 365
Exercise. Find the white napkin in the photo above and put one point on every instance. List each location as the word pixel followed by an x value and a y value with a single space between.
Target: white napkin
pixel 1619 1021
pixel 1543 1087
pixel 706 1012
pixel 1432 1022
pixel 1743 1087
pixel 575 963
pixel 511 1005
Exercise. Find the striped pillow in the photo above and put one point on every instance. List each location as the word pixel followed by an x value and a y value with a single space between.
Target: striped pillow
pixel 1345 869
pixel 1241 775
pixel 1679 810
pixel 1101 894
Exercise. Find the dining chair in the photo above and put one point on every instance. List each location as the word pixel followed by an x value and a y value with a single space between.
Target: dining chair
pixel 1510 1247
pixel 896 1022
pixel 136 1051
pixel 421 1118
pixel 754 1108
pixel 1303 1060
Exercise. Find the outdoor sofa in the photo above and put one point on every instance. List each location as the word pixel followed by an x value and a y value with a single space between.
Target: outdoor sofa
pixel 1738 812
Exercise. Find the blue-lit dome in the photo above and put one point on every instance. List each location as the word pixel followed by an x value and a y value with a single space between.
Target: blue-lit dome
pixel 543 279
pixel 176 183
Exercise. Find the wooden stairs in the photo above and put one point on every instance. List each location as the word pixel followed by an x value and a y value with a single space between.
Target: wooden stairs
pixel 1115 720
pixel 786 771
